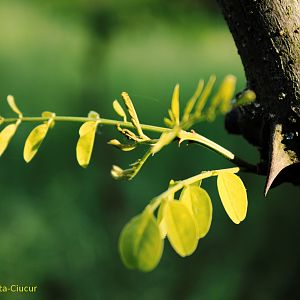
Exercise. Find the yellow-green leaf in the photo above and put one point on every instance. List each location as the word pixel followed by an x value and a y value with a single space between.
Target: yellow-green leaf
pixel 246 97
pixel 5 136
pixel 227 89
pixel 205 94
pixel 123 147
pixel 181 228
pixel 233 196
pixel 198 202
pixel 140 243
pixel 34 140
pixel 175 104
pixel 85 143
pixel 191 103
pixel 93 115
pixel 12 104
pixel 166 138
pixel 119 110
pixel 161 221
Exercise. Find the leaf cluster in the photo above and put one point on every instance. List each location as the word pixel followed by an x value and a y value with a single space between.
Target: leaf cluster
pixel 183 219
pixel 184 222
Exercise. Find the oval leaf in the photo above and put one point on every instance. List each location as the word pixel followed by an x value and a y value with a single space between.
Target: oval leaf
pixel 140 244
pixel 85 143
pixel 199 204
pixel 5 136
pixel 181 228
pixel 233 196
pixel 34 141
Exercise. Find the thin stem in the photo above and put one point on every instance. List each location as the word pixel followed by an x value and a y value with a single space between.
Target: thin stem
pixel 183 135
pixel 86 119
pixel 203 141
pixel 155 202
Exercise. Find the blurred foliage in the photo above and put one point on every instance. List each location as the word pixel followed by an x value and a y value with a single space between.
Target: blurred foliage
pixel 60 223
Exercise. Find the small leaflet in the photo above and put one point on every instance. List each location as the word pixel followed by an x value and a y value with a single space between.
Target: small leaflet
pixel 233 196
pixel 93 115
pixel 191 103
pixel 85 143
pixel 175 104
pixel 227 92
pixel 181 228
pixel 12 104
pixel 6 135
pixel 197 200
pixel 205 94
pixel 140 243
pixel 34 141
pixel 119 110
pixel 123 147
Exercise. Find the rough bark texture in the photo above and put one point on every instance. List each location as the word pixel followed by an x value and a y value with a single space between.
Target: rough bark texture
pixel 267 36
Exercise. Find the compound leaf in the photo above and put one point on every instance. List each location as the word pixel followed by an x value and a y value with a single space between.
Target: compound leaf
pixel 140 243
pixel 197 200
pixel 6 135
pixel 233 196
pixel 181 228
pixel 34 140
pixel 85 143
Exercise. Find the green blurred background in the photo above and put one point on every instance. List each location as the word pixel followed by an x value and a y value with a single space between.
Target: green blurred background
pixel 59 224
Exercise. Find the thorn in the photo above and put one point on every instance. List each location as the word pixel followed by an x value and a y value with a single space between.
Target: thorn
pixel 279 158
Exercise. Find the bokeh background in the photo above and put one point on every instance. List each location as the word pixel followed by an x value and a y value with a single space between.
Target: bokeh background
pixel 59 223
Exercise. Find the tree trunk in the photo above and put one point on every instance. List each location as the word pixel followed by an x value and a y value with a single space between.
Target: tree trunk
pixel 267 36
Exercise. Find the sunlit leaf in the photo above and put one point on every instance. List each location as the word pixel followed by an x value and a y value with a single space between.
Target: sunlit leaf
pixel 205 94
pixel 191 103
pixel 123 147
pixel 5 136
pixel 161 221
pixel 168 122
pixel 233 196
pixel 85 143
pixel 12 104
pixel 246 97
pixel 181 228
pixel 175 104
pixel 34 140
pixel 93 115
pixel 119 110
pixel 199 204
pixel 227 89
pixel 140 243
pixel 222 99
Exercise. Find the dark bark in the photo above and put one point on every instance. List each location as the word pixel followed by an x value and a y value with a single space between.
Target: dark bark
pixel 267 36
